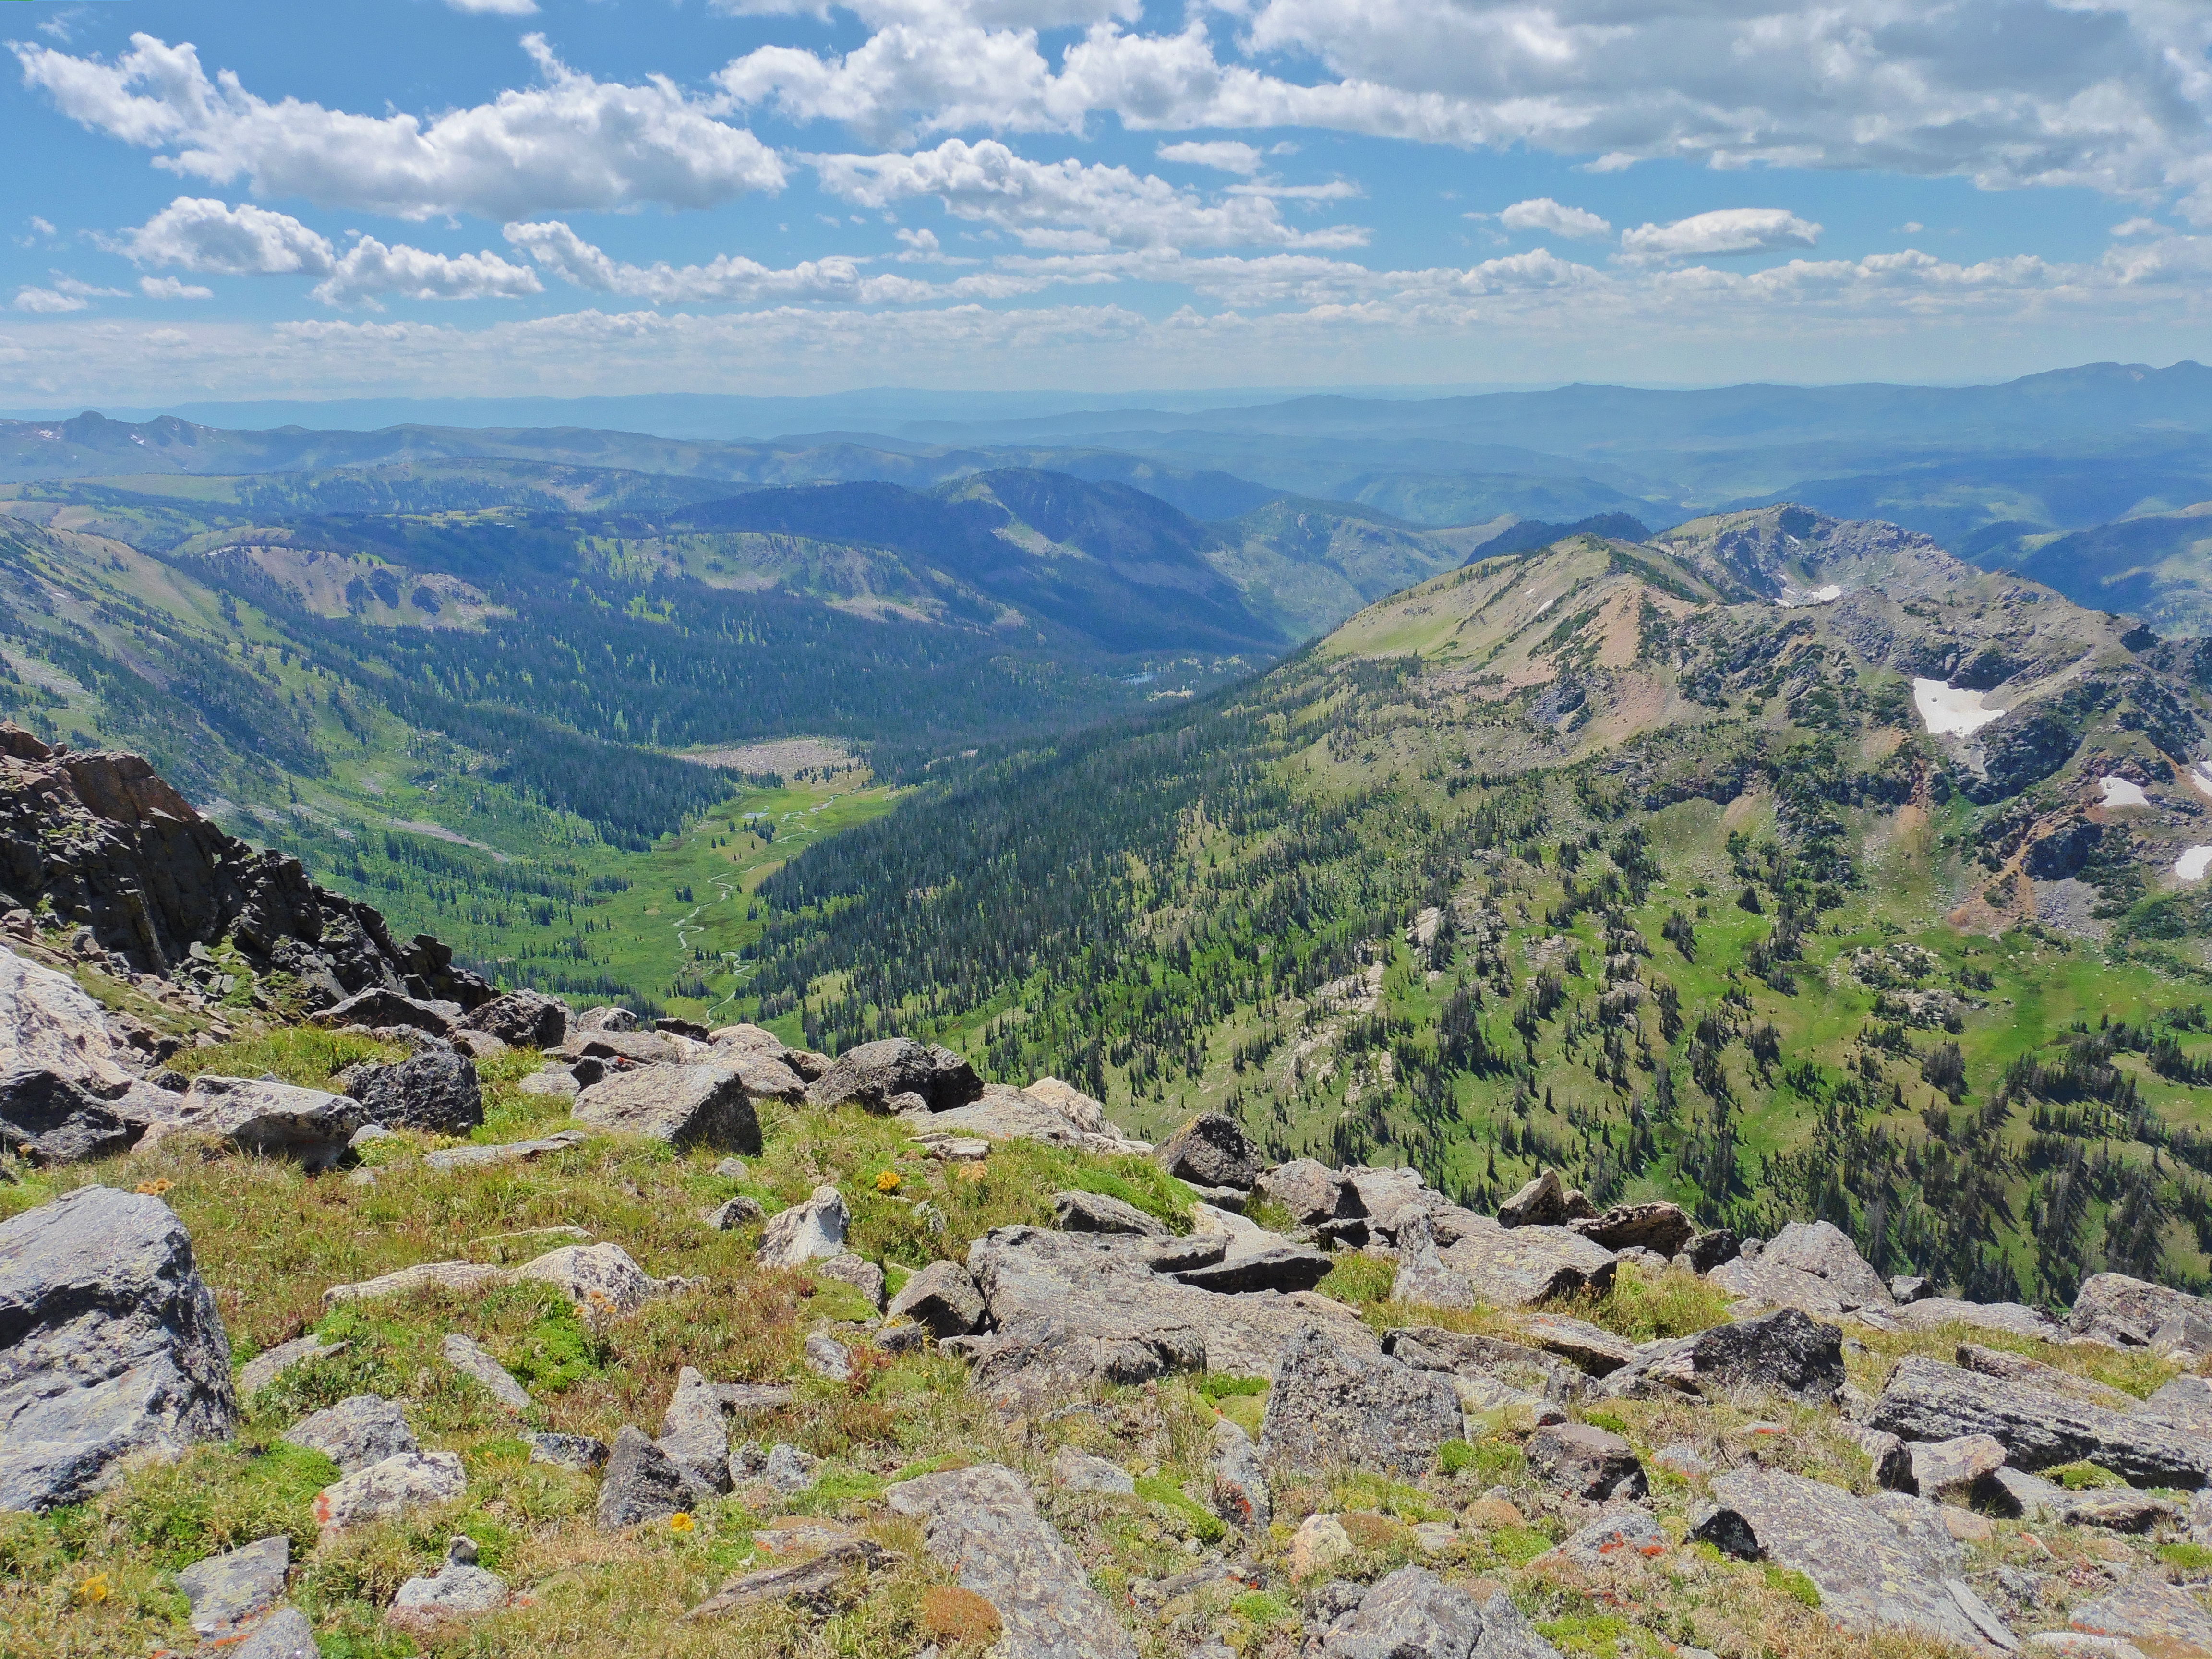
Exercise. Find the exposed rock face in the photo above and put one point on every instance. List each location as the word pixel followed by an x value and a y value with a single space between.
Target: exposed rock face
pixel 1813 1266
pixel 2127 1312
pixel 265 1119
pixel 941 1298
pixel 1097 1212
pixel 1662 1228
pixel 114 848
pixel 980 1521
pixel 684 1105
pixel 1585 1462
pixel 873 1073
pixel 356 1432
pixel 1310 1191
pixel 436 1091
pixel 2038 1428
pixel 1785 1352
pixel 1878 1563
pixel 68 1089
pixel 110 1344
pixel 642 1483
pixel 523 1019
pixel 813 1231
pixel 1333 1406
pixel 1211 1151
pixel 229 1592
pixel 409 1480
pixel 1411 1614
pixel 1519 1266
pixel 1068 1310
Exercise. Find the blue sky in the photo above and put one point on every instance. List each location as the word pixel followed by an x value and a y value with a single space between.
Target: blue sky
pixel 439 198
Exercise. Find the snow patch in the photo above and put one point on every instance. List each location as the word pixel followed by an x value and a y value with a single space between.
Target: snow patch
pixel 2192 864
pixel 1793 598
pixel 1949 710
pixel 2118 792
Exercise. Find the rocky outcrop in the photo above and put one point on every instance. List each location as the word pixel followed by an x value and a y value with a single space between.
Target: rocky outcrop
pixel 1786 1353
pixel 811 1231
pixel 1333 1407
pixel 110 846
pixel 874 1074
pixel 2038 1428
pixel 1585 1462
pixel 999 1113
pixel 1809 1265
pixel 523 1019
pixel 981 1523
pixel 942 1298
pixel 359 1431
pixel 2128 1313
pixel 1519 1267
pixel 110 1344
pixel 436 1091
pixel 684 1105
pixel 1211 1151
pixel 264 1119
pixel 642 1483
pixel 1412 1612
pixel 1662 1228
pixel 68 1091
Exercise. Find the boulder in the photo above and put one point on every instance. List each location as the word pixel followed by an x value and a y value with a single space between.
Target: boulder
pixel 380 1008
pixel 1309 1191
pixel 1096 1212
pixel 1507 1633
pixel 49 1026
pixel 1002 1114
pixel 1211 1151
pixel 1519 1266
pixel 694 1434
pixel 1078 1471
pixel 1422 1280
pixel 2161 1618
pixel 228 1593
pixel 523 1019
pixel 266 1367
pixel 1955 1470
pixel 642 1483
pixel 284 1634
pixel 2039 1428
pixel 685 1106
pixel 609 1052
pixel 1709 1248
pixel 782 1468
pixel 1386 1197
pixel 581 1452
pixel 1333 1406
pixel 458 1590
pixel 1786 1353
pixel 1907 1288
pixel 825 1356
pixel 357 1431
pixel 1809 1265
pixel 110 1344
pixel 1878 1563
pixel 1319 1544
pixel 735 1213
pixel 1542 1202
pixel 406 1481
pixel 47 1118
pixel 808 1581
pixel 1241 1493
pixel 556 1080
pixel 980 1523
pixel 813 1231
pixel 1623 1534
pixel 1662 1228
pixel 942 1298
pixel 2186 1402
pixel 1279 1268
pixel 2018 1368
pixel 608 1019
pixel 512 1152
pixel 1071 1103
pixel 1931 1312
pixel 1411 1614
pixel 857 1270
pixel 600 1277
pixel 2127 1313
pixel 436 1091
pixel 465 1277
pixel 1583 1461
pixel 1892 1462
pixel 264 1119
pixel 475 1363
pixel 1591 1348
pixel 1530 1370
pixel 872 1074
pixel 2121 1512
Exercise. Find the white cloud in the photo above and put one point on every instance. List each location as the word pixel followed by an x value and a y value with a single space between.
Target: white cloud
pixel 1067 205
pixel 48 301
pixel 496 8
pixel 368 269
pixel 168 288
pixel 1224 155
pixel 571 142
pixel 1725 231
pixel 2133 228
pixel 43 227
pixel 1547 217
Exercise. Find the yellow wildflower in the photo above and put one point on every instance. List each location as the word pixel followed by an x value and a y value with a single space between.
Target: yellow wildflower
pixel 680 1521
pixel 92 1590
pixel 155 1189
pixel 888 1181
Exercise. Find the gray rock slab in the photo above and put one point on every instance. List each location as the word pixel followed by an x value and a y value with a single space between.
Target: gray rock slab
pixel 2012 1367
pixel 1411 1614
pixel 1929 1400
pixel 523 1019
pixel 1507 1633
pixel 1623 1534
pixel 463 1276
pixel 857 1270
pixel 1241 1493
pixel 942 1298
pixel 1590 1348
pixel 581 1452
pixel 2127 1312
pixel 409 1480
pixel 511 1152
pixel 873 1074
pixel 825 1356
pixel 357 1431
pixel 1097 1212
pixel 1787 1353
pixel 1929 1313
pixel 810 1231
pixel 285 1634
pixel 1520 1267
pixel 1662 1228
pixel 1310 1191
pixel 1332 1407
pixel 1211 1150
pixel 264 1119
pixel 1583 1461
pixel 266 1367
pixel 2161 1618
pixel 642 1483
pixel 1532 1370
pixel 735 1213
pixel 1078 1471
pixel 229 1592
pixel 980 1523
pixel 436 1091
pixel 1872 1573
pixel 110 1344
pixel 474 1362
pixel 457 1591
pixel 999 1113
pixel 1280 1267
pixel 597 1276
pixel 685 1106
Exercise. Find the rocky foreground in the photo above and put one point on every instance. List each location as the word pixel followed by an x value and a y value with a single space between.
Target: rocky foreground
pixel 1264 1409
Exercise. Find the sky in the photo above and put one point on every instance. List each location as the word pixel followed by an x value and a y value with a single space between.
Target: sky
pixel 562 198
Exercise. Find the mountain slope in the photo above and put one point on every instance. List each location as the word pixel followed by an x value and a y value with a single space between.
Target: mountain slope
pixel 1639 859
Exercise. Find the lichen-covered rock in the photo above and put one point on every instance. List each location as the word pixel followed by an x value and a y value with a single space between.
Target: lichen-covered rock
pixel 2161 1618
pixel 409 1480
pixel 110 1344
pixel 1660 1227
pixel 1519 1267
pixel 458 1590
pixel 1333 1407
pixel 873 1073
pixel 942 1298
pixel 1241 1493
pixel 685 1106
pixel 811 1231
pixel 1097 1212
pixel 284 1634
pixel 1310 1191
pixel 980 1523
pixel 227 1593
pixel 642 1483
pixel 1211 1151
pixel 357 1431
pixel 2039 1428
pixel 1876 1567
pixel 436 1091
pixel 1542 1202
pixel 512 1152
pixel 1928 1313
pixel 733 1213
pixel 1955 1470
pixel 523 1019
pixel 474 1362
pixel 599 1277
pixel 581 1452
pixel 2126 1312
pixel 1809 1265
pixel 857 1271
pixel 381 1008
pixel 1624 1533
pixel 694 1434
pixel 999 1113
pixel 1584 1461
pixel 264 1119
pixel 1411 1614
pixel 1785 1352
pixel 265 1368
pixel 1078 1471
pixel 1277 1267
pixel 1531 1371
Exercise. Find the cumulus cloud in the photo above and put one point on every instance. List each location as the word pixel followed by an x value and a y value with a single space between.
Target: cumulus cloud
pixel 168 288
pixel 496 8
pixel 1224 155
pixel 1547 217
pixel 571 142
pixel 369 269
pixel 1067 205
pixel 1723 231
